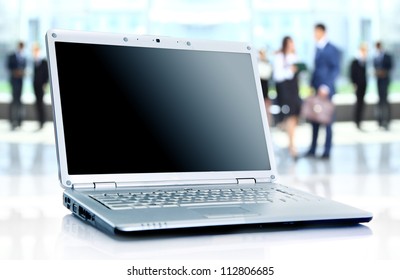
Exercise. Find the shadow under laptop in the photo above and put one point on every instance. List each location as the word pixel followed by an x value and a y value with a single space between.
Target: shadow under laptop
pixel 79 240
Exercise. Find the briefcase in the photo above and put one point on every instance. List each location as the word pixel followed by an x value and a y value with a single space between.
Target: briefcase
pixel 318 109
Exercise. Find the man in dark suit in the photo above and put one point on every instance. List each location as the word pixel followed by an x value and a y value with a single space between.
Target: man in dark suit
pixel 383 63
pixel 326 70
pixel 16 64
pixel 40 78
pixel 358 76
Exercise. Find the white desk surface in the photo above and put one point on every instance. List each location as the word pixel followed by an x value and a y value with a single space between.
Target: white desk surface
pixel 39 227
pixel 34 224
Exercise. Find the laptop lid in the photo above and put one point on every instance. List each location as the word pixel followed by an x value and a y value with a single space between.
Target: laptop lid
pixel 146 110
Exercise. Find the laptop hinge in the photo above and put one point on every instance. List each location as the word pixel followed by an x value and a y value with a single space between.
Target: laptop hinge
pixel 105 185
pixel 83 186
pixel 245 181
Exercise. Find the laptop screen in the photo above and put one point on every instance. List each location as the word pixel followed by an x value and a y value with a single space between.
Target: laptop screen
pixel 145 110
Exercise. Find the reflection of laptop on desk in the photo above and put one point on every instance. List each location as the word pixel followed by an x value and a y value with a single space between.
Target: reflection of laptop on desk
pixel 165 133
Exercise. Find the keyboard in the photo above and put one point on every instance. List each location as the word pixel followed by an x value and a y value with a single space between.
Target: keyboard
pixel 195 197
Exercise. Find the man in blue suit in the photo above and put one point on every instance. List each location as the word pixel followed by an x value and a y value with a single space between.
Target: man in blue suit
pixel 326 71
pixel 383 64
pixel 16 64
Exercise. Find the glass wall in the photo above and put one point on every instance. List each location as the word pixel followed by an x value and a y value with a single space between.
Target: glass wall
pixel 260 22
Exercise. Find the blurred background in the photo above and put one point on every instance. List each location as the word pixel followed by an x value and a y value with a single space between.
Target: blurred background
pixel 363 171
pixel 263 23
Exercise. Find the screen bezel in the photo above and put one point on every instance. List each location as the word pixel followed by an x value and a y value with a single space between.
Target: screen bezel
pixel 67 180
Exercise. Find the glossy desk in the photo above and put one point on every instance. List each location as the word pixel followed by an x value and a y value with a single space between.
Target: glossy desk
pixel 364 171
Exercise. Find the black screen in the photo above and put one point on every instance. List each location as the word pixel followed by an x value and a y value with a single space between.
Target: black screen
pixel 141 110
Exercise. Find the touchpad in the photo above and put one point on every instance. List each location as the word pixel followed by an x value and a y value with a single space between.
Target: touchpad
pixel 223 212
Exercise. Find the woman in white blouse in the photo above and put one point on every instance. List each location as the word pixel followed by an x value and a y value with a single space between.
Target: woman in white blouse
pixel 287 88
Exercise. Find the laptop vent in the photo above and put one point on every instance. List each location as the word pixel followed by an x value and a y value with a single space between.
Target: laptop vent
pixel 154 225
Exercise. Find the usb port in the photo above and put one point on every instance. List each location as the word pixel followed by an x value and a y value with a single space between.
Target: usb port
pixel 84 214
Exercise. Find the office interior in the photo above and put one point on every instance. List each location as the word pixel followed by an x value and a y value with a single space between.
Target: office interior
pixel 363 170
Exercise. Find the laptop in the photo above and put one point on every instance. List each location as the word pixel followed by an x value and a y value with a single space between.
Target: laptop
pixel 162 133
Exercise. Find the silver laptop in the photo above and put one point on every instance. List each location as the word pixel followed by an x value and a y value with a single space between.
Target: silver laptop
pixel 158 133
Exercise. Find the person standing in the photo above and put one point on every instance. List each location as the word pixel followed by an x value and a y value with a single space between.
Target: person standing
pixel 265 71
pixel 40 79
pixel 358 76
pixel 16 63
pixel 287 89
pixel 383 64
pixel 326 71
